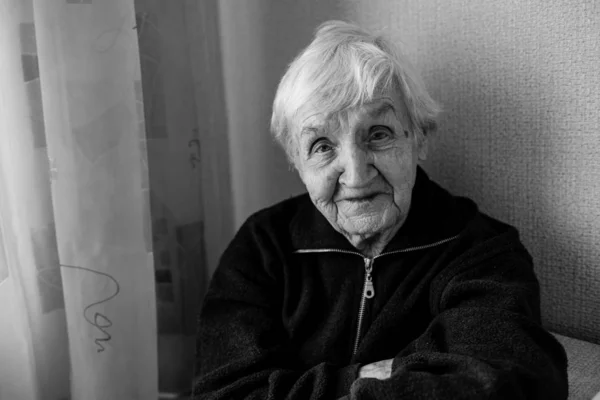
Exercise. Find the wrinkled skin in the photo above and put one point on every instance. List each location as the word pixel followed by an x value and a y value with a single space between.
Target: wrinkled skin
pixel 359 167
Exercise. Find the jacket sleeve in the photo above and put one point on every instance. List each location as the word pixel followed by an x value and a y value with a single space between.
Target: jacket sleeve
pixel 485 340
pixel 242 349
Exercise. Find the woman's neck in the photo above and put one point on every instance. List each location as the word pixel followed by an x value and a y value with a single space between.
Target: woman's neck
pixel 373 245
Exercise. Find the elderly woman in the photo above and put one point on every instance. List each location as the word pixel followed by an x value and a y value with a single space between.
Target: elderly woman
pixel 377 283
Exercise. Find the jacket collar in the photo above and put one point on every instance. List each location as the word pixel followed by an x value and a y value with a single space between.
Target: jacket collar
pixel 435 215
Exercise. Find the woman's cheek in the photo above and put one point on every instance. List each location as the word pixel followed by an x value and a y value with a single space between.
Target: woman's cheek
pixel 398 169
pixel 394 162
pixel 321 186
pixel 329 183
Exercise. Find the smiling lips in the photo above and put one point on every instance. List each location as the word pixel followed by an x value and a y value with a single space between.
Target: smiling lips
pixel 361 198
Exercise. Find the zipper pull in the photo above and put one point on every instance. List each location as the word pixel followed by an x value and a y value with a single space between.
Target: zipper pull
pixel 369 287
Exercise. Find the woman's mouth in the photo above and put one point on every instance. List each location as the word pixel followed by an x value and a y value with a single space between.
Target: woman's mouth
pixel 360 199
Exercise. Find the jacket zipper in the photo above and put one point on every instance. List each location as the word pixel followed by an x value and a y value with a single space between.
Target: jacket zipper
pixel 368 293
pixel 368 287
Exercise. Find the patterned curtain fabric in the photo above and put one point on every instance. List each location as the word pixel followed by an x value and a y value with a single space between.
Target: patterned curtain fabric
pixel 81 227
pixel 175 119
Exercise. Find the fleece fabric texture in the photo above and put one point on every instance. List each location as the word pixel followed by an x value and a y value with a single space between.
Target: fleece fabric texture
pixel 456 306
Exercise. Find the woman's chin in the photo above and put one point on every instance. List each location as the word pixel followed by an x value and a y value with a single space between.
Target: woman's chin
pixel 365 224
pixel 367 217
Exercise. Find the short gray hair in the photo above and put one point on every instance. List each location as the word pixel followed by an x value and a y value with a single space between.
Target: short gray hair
pixel 343 67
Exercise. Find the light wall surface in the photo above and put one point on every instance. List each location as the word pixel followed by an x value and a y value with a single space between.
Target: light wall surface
pixel 520 134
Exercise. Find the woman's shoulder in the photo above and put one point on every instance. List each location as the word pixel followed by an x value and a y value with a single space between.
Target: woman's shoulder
pixel 273 225
pixel 464 214
pixel 280 213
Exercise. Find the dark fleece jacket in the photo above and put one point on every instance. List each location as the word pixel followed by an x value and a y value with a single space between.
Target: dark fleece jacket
pixel 456 306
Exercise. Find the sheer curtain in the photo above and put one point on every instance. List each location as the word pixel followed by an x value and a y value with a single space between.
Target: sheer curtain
pixel 77 288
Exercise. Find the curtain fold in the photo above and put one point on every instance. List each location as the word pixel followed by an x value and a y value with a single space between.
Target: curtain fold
pixel 76 259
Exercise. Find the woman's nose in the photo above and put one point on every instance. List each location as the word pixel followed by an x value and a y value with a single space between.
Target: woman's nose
pixel 357 167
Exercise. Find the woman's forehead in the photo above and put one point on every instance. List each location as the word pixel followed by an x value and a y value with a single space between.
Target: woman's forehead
pixel 311 118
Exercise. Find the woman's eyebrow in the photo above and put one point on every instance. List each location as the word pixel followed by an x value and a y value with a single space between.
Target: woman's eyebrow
pixel 381 110
pixel 311 130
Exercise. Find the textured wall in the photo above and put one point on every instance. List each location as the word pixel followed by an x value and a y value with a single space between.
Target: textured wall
pixel 520 84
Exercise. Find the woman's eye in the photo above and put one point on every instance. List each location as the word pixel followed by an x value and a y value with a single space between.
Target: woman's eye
pixel 379 133
pixel 321 146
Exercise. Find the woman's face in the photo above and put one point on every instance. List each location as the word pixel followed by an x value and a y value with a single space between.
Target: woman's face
pixel 360 168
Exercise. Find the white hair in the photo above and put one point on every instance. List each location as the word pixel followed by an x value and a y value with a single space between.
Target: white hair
pixel 344 67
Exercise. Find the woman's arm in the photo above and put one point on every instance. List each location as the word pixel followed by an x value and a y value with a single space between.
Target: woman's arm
pixel 242 345
pixel 486 339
